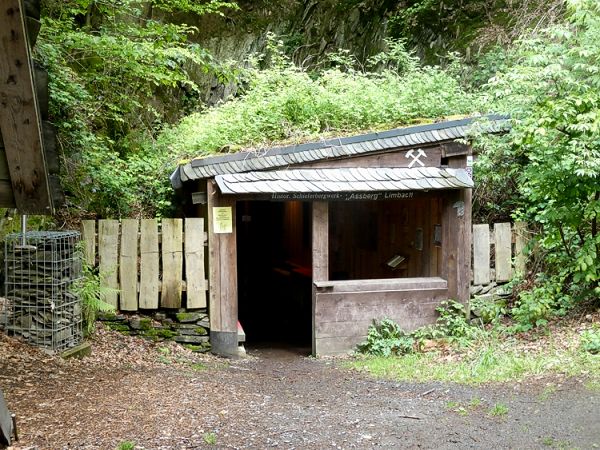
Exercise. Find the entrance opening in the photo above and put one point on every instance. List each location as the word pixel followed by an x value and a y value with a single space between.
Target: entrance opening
pixel 274 272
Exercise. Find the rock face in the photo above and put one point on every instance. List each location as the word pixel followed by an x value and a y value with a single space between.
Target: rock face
pixel 312 29
pixel 190 328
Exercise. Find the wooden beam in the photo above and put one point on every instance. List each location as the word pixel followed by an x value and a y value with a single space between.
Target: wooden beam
pixel 320 257
pixel 20 121
pixel 223 299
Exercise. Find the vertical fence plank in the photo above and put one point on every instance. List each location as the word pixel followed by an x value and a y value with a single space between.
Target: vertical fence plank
pixel 503 251
pixel 481 254
pixel 149 264
pixel 194 263
pixel 128 265
pixel 88 235
pixel 172 258
pixel 108 254
pixel 520 231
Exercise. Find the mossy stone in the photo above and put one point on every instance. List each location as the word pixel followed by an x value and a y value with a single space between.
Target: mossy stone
pixel 118 327
pixel 188 317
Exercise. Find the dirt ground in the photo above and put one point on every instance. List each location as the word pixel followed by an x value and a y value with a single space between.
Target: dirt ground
pixel 160 396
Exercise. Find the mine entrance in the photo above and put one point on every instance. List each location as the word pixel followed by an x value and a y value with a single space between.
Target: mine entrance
pixel 274 272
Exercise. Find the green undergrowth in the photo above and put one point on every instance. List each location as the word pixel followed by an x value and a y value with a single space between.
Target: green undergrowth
pixel 483 364
pixel 456 349
pixel 286 103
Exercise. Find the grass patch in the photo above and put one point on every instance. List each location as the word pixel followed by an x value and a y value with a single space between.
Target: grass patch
pixel 210 438
pixel 483 363
pixel 498 410
pixel 126 445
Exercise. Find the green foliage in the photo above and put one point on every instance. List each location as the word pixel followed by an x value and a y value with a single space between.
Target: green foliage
pixel 283 102
pixel 534 307
pixel 489 311
pixel 116 75
pixel 126 445
pixel 386 338
pixel 91 291
pixel 551 157
pixel 590 341
pixel 498 410
pixel 453 323
pixel 210 438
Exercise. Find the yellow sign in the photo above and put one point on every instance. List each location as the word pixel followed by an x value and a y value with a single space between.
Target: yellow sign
pixel 222 220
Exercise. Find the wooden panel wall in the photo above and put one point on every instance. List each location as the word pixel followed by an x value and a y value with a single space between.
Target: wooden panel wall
pixel 142 264
pixel 365 235
pixel 342 315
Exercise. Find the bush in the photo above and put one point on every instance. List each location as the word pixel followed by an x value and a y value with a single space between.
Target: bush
pixel 590 341
pixel 386 338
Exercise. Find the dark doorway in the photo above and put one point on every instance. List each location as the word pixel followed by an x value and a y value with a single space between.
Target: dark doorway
pixel 274 272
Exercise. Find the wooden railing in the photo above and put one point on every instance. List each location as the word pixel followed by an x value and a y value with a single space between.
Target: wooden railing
pixel 143 261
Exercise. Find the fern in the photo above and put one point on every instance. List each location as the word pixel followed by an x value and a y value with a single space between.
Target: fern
pixel 92 290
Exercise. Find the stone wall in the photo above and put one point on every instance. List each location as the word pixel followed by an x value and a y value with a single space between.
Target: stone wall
pixel 189 328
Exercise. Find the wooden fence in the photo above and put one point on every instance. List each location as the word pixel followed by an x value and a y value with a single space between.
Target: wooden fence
pixel 503 243
pixel 144 261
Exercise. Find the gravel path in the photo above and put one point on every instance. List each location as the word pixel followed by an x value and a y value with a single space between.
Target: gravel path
pixel 163 397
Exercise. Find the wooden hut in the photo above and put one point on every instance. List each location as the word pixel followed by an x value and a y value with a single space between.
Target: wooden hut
pixel 317 240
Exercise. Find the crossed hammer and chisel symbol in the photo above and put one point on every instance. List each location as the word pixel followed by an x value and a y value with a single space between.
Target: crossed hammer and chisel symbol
pixel 416 157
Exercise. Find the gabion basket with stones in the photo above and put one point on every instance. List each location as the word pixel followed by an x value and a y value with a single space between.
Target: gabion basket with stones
pixel 40 305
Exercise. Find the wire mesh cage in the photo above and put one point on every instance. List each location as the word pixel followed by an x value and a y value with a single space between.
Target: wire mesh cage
pixel 40 305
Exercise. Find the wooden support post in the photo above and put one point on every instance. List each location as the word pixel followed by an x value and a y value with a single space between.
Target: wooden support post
pixel 222 256
pixel 20 119
pixel 320 257
pixel 457 240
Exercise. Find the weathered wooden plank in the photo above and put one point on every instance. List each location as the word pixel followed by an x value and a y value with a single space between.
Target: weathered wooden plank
pixel 149 264
pixel 390 284
pixel 481 254
pixel 172 259
pixel 503 253
pixel 348 306
pixel 520 231
pixel 108 254
pixel 330 346
pixel 20 120
pixel 320 241
pixel 128 265
pixel 194 263
pixel 88 236
pixel 432 158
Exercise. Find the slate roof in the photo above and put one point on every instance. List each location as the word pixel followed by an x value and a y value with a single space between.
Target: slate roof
pixel 343 180
pixel 280 157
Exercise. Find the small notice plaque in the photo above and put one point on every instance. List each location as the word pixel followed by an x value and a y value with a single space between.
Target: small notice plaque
pixel 222 220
